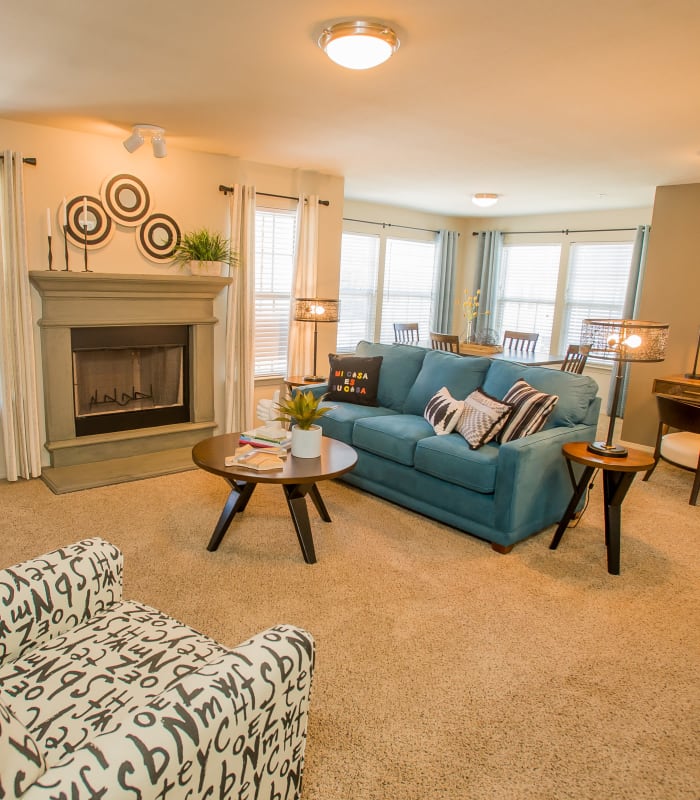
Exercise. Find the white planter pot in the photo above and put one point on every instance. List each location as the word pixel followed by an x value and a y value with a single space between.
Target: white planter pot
pixel 207 267
pixel 306 443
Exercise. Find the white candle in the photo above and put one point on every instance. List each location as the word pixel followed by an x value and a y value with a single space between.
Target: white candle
pixel 65 213
pixel 85 216
pixel 48 222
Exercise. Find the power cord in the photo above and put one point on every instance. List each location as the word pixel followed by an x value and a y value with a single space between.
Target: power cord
pixel 578 517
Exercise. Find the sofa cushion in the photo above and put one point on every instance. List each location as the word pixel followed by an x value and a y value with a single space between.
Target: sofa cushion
pixel 530 411
pixel 451 459
pixel 482 418
pixel 576 392
pixel 443 411
pixel 354 379
pixel 340 420
pixel 401 364
pixel 459 374
pixel 21 761
pixel 125 657
pixel 393 437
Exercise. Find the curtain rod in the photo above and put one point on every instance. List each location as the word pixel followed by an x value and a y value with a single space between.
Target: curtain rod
pixel 229 190
pixel 389 225
pixel 565 231
pixel 31 160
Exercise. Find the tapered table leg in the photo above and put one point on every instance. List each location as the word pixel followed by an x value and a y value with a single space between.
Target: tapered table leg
pixel 296 501
pixel 615 486
pixel 237 501
pixel 315 495
pixel 571 508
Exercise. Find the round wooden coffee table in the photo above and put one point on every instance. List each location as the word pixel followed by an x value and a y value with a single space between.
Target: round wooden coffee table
pixel 298 477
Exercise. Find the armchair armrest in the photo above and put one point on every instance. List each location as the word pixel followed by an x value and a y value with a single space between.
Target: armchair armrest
pixel 46 596
pixel 236 727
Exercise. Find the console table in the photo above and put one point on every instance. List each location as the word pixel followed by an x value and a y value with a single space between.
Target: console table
pixel 680 387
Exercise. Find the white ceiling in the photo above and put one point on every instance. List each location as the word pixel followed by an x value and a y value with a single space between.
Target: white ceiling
pixel 555 105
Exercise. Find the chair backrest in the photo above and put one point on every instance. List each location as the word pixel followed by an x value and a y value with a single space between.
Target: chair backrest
pixel 406 332
pixel 576 357
pixel 520 341
pixel 444 341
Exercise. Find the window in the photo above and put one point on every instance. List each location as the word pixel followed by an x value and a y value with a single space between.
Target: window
pixel 274 268
pixel 551 287
pixel 384 279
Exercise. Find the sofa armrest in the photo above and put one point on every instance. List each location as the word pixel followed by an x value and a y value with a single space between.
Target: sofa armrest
pixel 46 596
pixel 316 389
pixel 236 727
pixel 533 481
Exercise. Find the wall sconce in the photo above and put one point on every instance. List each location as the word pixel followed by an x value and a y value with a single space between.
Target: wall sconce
pixel 359 44
pixel 157 135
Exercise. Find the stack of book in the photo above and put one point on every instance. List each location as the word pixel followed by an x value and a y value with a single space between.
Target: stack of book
pixel 267 436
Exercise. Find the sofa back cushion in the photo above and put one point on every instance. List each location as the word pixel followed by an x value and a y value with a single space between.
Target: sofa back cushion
pixel 22 763
pixel 460 375
pixel 575 392
pixel 400 365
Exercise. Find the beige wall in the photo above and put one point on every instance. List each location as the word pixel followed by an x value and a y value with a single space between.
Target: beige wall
pixel 671 293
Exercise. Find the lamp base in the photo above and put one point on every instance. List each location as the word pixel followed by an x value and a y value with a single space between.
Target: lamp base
pixel 693 376
pixel 610 450
pixel 314 378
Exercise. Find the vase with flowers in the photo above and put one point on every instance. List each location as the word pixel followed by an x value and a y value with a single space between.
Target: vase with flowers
pixel 470 309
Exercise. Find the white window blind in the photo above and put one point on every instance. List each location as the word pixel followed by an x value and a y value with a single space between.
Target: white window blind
pixel 596 285
pixel 359 264
pixel 527 290
pixel 274 267
pixel 409 270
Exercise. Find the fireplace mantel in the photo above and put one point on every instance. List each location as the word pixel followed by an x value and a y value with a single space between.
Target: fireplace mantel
pixel 90 299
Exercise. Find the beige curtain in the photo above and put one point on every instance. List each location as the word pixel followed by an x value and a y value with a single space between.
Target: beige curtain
pixel 300 348
pixel 240 314
pixel 19 407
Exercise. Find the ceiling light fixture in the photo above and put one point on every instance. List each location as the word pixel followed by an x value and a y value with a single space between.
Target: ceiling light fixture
pixel 157 135
pixel 358 44
pixel 484 200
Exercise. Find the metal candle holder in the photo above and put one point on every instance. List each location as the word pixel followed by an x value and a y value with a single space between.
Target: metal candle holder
pixel 50 253
pixel 65 246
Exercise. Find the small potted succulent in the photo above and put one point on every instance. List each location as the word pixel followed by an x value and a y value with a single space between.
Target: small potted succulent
pixel 204 252
pixel 302 410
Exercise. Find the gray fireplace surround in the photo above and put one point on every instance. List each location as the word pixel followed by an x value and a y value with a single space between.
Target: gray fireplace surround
pixel 87 300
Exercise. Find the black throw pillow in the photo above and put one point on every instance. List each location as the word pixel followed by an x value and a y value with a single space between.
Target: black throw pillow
pixel 354 379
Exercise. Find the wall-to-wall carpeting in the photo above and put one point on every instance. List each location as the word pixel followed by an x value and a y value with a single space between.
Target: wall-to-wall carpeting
pixel 444 670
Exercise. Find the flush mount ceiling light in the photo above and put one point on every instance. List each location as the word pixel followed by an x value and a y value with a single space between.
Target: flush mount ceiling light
pixel 358 44
pixel 157 135
pixel 484 200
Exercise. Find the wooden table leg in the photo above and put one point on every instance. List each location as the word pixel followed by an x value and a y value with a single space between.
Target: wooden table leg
pixel 296 501
pixel 315 495
pixel 571 508
pixel 615 486
pixel 237 501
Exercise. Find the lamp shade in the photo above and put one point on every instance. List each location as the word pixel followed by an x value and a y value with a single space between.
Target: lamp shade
pixel 315 309
pixel 625 339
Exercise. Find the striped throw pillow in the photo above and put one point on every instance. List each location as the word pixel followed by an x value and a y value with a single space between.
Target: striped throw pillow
pixel 442 411
pixel 530 410
pixel 482 418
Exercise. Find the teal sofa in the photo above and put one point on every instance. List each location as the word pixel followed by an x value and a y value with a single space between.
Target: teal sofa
pixel 502 493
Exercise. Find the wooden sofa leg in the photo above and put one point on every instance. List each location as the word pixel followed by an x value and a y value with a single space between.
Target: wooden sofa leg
pixel 502 548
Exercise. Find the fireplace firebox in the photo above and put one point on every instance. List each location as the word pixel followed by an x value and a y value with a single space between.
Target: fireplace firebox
pixel 129 377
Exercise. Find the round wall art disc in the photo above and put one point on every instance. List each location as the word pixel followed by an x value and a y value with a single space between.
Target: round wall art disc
pixel 126 199
pixel 100 228
pixel 158 237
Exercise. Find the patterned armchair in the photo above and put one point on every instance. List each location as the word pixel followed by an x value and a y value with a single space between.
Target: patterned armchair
pixel 102 697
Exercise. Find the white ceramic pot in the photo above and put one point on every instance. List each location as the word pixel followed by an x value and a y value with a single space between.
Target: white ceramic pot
pixel 207 267
pixel 306 443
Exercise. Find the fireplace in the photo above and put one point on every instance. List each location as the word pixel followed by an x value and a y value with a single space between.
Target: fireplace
pixel 128 372
pixel 129 377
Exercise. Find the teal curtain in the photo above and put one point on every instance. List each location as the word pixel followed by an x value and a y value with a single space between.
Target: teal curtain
pixel 488 257
pixel 445 281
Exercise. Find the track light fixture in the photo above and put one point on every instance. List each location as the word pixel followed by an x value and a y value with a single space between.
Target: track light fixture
pixel 157 135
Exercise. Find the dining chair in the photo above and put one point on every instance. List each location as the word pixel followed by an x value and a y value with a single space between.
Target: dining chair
pixel 406 332
pixel 576 357
pixel 682 447
pixel 444 341
pixel 520 341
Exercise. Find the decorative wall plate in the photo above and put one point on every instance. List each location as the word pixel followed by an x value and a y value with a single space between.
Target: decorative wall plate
pixel 126 199
pixel 100 227
pixel 158 237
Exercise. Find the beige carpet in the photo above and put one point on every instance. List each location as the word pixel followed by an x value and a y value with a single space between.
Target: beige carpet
pixel 444 669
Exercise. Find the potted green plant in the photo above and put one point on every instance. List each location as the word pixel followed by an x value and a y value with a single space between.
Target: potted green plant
pixel 302 410
pixel 204 252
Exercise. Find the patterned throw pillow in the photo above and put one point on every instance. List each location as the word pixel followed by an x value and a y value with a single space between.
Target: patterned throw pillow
pixel 442 411
pixel 530 410
pixel 482 418
pixel 354 379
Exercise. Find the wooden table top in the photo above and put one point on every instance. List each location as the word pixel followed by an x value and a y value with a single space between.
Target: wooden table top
pixel 336 459
pixel 634 461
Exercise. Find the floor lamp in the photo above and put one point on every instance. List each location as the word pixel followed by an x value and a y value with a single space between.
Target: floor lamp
pixel 315 309
pixel 622 340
